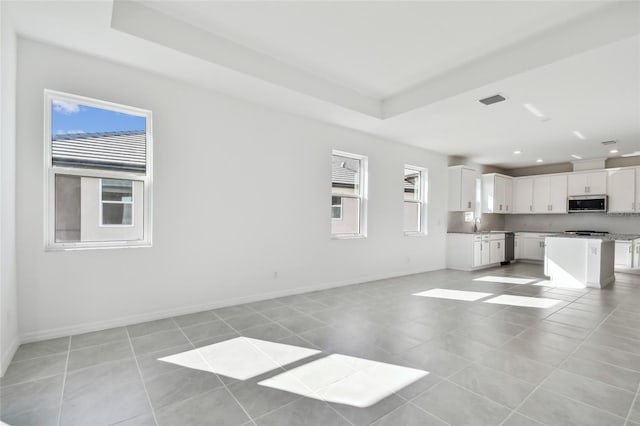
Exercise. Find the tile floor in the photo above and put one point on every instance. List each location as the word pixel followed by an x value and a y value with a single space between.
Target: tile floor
pixel 574 363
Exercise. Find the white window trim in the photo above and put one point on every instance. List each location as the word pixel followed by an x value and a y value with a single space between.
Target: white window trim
pixel 421 201
pixel 50 243
pixel 102 202
pixel 362 196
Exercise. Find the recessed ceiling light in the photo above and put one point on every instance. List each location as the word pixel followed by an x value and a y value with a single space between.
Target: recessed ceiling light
pixel 633 154
pixel 539 160
pixel 613 151
pixel 577 157
pixel 579 135
pixel 518 152
pixel 535 111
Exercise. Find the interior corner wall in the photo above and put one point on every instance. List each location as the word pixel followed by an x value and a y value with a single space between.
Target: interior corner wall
pixel 240 192
pixel 9 339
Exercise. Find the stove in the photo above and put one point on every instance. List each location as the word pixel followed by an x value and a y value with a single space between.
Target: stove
pixel 588 233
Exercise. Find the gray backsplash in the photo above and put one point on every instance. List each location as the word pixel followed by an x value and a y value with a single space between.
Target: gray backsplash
pixel 619 224
pixel 562 222
pixel 488 222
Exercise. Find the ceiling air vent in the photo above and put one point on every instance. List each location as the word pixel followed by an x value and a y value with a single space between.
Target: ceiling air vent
pixel 493 99
pixel 608 142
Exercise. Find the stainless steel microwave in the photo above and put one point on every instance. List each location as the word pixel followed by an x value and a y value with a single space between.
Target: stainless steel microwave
pixel 587 203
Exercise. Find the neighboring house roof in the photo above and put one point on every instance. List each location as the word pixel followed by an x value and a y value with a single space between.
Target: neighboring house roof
pixel 123 150
pixel 344 173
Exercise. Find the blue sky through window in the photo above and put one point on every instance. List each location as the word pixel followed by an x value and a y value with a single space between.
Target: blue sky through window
pixel 69 117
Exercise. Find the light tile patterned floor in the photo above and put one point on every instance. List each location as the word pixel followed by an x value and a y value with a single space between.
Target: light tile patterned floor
pixel 574 363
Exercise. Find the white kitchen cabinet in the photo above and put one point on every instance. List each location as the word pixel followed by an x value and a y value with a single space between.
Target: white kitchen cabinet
pixel 462 189
pixel 496 251
pixel 517 242
pixel 624 254
pixel 558 193
pixel 621 184
pixel 523 195
pixel 477 253
pixel 550 194
pixel 541 194
pixel 638 189
pixel 636 254
pixel 468 252
pixel 531 246
pixel 486 252
pixel 508 195
pixel 497 193
pixel 589 183
pixel 481 253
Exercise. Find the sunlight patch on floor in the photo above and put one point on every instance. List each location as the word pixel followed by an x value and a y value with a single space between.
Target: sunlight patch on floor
pixel 560 284
pixel 529 302
pixel 346 380
pixel 443 293
pixel 506 280
pixel 240 358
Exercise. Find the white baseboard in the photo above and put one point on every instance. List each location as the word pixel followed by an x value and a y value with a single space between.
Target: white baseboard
pixel 7 355
pixel 133 319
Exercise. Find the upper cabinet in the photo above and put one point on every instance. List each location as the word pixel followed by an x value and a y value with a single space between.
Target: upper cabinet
pixel 462 189
pixel 588 183
pixel 622 189
pixel 497 194
pixel 638 194
pixel 550 194
pixel 523 195
pixel 544 194
pixel 558 193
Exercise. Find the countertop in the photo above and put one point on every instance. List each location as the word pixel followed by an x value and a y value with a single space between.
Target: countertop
pixel 603 238
pixel 608 237
pixel 478 232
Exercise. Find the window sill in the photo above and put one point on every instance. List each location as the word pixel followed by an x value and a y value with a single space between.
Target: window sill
pixel 119 245
pixel 415 234
pixel 348 237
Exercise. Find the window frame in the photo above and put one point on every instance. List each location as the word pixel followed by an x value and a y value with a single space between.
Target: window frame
pixel 421 200
pixel 362 195
pixel 50 243
pixel 102 202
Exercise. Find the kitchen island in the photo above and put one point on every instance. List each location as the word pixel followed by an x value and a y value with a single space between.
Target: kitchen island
pixel 577 261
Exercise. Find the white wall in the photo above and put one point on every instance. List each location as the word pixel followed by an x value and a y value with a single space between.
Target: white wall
pixel 8 286
pixel 241 191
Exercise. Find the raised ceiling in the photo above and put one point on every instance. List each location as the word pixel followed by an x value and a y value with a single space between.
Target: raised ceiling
pixel 376 48
pixel 408 71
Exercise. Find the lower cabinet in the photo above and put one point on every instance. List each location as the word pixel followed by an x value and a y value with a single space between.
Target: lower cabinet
pixel 468 252
pixel 636 254
pixel 530 246
pixel 481 253
pixel 624 254
pixel 496 251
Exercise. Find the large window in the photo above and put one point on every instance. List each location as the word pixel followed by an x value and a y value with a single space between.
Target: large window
pixel 348 195
pixel 415 190
pixel 98 177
